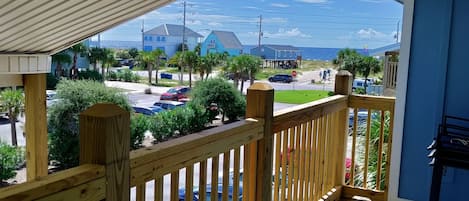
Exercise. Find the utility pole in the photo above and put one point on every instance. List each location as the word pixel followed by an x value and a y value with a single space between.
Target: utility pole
pixel 260 34
pixel 99 40
pixel 397 33
pixel 143 41
pixel 183 40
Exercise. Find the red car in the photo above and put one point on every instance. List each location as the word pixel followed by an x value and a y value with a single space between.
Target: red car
pixel 176 93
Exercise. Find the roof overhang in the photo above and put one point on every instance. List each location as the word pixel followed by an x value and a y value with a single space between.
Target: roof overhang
pixel 46 27
pixel 400 1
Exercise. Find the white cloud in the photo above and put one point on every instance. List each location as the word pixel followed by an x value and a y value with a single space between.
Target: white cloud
pixel 252 7
pixel 279 5
pixel 215 24
pixel 370 33
pixel 282 33
pixel 313 1
pixel 373 1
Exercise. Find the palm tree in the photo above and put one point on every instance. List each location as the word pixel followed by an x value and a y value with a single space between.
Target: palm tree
pixel 81 49
pixel 212 61
pixel 368 65
pixel 201 66
pixel 107 59
pixel 147 59
pixel 342 54
pixel 12 101
pixel 190 59
pixel 95 55
pixel 157 54
pixel 252 64
pixel 351 63
pixel 237 66
pixel 60 58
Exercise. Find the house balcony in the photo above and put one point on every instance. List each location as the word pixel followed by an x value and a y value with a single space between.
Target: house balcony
pixel 322 150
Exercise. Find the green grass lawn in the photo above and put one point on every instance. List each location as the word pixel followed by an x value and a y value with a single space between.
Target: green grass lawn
pixel 300 96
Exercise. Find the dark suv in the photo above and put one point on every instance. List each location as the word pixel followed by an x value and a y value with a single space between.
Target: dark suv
pixel 281 78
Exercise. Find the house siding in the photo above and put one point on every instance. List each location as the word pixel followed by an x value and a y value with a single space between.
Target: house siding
pixel 437 69
pixel 272 54
pixel 219 48
pixel 169 45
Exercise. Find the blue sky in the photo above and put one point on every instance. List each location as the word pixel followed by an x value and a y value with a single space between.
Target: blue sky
pixel 303 23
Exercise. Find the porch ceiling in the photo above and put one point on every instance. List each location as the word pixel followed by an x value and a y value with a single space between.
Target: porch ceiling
pixel 49 26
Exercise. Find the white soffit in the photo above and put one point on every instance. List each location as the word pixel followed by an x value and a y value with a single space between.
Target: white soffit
pixel 48 26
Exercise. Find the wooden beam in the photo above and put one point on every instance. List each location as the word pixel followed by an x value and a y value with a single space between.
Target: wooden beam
pixel 36 126
pixel 105 140
pixel 372 102
pixel 333 195
pixel 51 184
pixel 10 80
pixel 260 104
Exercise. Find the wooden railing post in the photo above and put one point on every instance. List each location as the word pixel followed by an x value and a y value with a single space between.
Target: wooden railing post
pixel 343 86
pixel 105 140
pixel 35 125
pixel 260 104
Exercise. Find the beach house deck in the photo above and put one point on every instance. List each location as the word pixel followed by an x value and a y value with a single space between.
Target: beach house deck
pixel 301 153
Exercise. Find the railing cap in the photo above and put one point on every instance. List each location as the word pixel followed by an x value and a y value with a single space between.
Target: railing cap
pixel 103 110
pixel 260 86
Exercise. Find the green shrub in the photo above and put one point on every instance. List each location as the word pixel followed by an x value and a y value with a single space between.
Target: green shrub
pixel 52 81
pixel 10 159
pixel 111 75
pixel 162 126
pixel 90 75
pixel 139 124
pixel 136 78
pixel 229 100
pixel 125 75
pixel 180 121
pixel 75 97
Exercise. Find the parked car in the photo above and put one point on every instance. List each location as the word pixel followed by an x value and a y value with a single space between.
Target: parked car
pixel 281 78
pixel 147 110
pixel 360 83
pixel 168 105
pixel 176 93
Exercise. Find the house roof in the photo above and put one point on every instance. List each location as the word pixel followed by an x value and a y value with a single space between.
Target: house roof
pixel 380 51
pixel 172 30
pixel 228 39
pixel 46 27
pixel 282 47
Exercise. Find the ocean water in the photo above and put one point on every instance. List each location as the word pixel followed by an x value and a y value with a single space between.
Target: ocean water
pixel 308 53
pixel 315 53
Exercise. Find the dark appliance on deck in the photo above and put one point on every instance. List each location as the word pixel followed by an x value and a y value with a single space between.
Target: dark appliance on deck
pixel 450 148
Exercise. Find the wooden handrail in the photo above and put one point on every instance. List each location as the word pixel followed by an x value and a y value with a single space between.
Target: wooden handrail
pixel 86 182
pixel 283 119
pixel 371 102
pixel 158 160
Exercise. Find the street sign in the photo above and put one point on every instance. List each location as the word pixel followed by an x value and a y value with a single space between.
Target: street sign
pixel 293 73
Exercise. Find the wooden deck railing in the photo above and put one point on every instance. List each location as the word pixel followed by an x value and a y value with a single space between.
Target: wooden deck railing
pixel 291 155
pixel 307 149
pixel 371 133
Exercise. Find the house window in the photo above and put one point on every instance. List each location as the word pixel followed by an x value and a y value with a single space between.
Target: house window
pixel 157 38
pixel 147 48
pixel 163 38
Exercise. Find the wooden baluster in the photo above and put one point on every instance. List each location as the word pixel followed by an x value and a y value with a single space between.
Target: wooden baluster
pixel 214 183
pixel 389 145
pixel 175 185
pixel 236 167
pixel 317 160
pixel 278 142
pixel 313 160
pixel 203 180
pixel 302 162
pixel 226 175
pixel 105 139
pixel 291 166
pixel 322 146
pixel 308 160
pixel 296 163
pixel 354 145
pixel 260 104
pixel 158 189
pixel 189 195
pixel 285 166
pixel 367 149
pixel 380 151
pixel 140 191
